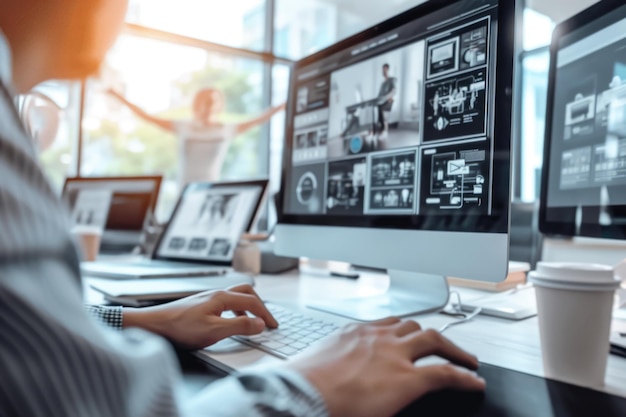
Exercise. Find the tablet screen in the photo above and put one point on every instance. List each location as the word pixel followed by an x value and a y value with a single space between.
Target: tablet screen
pixel 209 220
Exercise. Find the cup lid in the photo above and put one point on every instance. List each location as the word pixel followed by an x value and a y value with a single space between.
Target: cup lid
pixel 86 229
pixel 576 273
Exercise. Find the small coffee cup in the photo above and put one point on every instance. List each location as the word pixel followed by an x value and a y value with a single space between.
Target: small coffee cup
pixel 574 307
pixel 88 239
pixel 247 258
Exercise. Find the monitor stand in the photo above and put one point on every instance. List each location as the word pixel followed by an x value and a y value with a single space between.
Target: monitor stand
pixel 409 293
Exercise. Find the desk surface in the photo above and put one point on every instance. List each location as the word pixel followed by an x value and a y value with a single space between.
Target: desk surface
pixel 509 344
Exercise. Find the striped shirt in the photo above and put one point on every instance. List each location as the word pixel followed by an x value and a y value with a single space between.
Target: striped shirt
pixel 55 359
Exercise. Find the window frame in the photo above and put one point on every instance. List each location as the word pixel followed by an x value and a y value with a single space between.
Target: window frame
pixel 517 145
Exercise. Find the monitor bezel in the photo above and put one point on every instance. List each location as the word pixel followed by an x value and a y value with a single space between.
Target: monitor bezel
pixel 550 227
pixel 497 222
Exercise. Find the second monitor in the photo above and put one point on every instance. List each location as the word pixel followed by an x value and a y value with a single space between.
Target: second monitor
pixel 398 153
pixel 584 176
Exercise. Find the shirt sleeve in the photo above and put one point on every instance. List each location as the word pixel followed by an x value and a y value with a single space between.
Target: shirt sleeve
pixel 278 392
pixel 281 392
pixel 262 393
pixel 110 316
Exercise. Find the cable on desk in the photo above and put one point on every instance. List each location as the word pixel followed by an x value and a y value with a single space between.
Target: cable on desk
pixel 458 312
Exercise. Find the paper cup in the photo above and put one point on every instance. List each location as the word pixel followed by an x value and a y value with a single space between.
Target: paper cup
pixel 247 258
pixel 88 239
pixel 574 305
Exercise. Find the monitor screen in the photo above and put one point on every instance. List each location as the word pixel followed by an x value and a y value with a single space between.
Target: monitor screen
pixel 397 153
pixel 209 219
pixel 113 203
pixel 584 187
pixel 398 126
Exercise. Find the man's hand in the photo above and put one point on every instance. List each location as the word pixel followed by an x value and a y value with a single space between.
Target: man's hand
pixel 368 370
pixel 196 322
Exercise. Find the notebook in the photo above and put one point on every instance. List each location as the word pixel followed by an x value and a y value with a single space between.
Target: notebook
pixel 201 237
pixel 516 304
pixel 138 293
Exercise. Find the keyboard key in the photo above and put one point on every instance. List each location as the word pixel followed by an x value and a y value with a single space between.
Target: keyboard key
pixel 273 344
pixel 298 345
pixel 287 351
pixel 309 339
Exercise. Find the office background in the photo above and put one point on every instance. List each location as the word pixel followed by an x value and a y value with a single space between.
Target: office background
pixel 168 50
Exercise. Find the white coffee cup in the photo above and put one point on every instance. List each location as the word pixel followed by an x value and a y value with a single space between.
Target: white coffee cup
pixel 88 239
pixel 247 258
pixel 574 306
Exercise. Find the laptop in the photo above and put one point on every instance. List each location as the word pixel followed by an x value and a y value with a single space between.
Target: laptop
pixel 118 205
pixel 201 237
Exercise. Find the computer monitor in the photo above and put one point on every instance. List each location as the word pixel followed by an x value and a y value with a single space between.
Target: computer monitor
pixel 118 205
pixel 583 190
pixel 397 153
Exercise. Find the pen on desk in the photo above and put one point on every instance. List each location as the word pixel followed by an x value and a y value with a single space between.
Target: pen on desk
pixel 618 351
pixel 348 275
pixel 188 274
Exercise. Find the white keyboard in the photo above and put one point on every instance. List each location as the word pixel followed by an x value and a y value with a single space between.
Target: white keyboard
pixel 295 333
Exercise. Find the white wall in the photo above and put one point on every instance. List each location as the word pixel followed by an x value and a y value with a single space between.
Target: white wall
pixel 413 79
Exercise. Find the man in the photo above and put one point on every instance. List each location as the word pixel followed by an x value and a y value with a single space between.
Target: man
pixel 57 361
pixel 386 95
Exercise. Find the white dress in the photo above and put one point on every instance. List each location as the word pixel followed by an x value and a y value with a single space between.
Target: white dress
pixel 203 149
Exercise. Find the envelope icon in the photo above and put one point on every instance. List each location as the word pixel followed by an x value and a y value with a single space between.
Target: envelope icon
pixel 457 167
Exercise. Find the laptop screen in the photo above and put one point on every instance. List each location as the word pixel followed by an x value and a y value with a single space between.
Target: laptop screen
pixel 209 220
pixel 113 203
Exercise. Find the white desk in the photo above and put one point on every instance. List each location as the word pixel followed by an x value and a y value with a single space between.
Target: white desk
pixel 509 344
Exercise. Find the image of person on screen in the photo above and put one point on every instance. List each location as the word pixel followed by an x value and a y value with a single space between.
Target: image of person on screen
pixel 216 211
pixel 386 96
pixel 204 140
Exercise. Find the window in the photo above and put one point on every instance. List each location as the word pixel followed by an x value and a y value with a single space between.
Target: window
pixel 532 112
pixel 162 79
pixel 239 23
pixel 537 30
pixel 51 113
